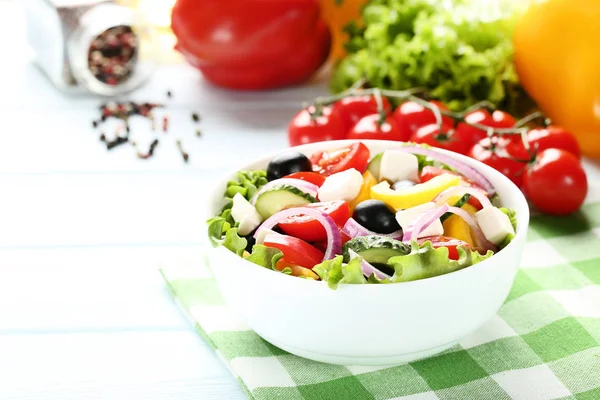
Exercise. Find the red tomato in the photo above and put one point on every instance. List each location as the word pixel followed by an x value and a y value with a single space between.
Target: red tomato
pixel 555 182
pixel 442 241
pixel 305 129
pixel 447 138
pixel 333 161
pixel 228 43
pixel 308 228
pixel 428 172
pixel 311 177
pixel 411 116
pixel 553 137
pixel 499 158
pixel 498 119
pixel 353 108
pixel 295 251
pixel 369 128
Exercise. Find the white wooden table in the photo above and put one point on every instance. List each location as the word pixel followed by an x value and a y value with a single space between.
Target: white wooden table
pixel 84 313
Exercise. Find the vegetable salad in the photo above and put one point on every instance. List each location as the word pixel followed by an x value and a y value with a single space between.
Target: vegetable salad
pixel 348 216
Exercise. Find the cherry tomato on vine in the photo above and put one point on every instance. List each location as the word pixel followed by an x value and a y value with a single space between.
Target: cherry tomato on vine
pixel 311 177
pixel 352 109
pixel 337 160
pixel 555 182
pixel 411 116
pixel 305 128
pixel 498 119
pixel 553 137
pixel 493 152
pixel 369 127
pixel 447 138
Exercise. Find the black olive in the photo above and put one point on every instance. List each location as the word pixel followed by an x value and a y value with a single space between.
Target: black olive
pixel 376 216
pixel 287 163
pixel 403 184
pixel 250 241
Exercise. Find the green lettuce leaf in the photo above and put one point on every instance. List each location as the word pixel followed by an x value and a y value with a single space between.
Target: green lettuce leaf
pixel 330 271
pixel 352 273
pixel 512 216
pixel 266 257
pixel 425 261
pixel 460 50
pixel 234 242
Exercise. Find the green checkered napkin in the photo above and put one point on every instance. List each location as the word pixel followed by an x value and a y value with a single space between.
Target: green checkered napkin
pixel 543 344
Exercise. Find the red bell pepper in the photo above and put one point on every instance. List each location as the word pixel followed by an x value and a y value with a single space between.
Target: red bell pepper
pixel 252 44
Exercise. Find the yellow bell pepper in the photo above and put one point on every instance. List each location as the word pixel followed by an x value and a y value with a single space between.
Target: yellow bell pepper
pixel 457 228
pixel 336 14
pixel 558 63
pixel 414 195
pixel 365 190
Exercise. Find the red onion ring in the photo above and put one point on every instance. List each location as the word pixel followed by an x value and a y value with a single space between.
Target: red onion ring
pixel 334 240
pixel 366 268
pixel 462 190
pixel 305 186
pixel 466 170
pixel 423 222
pixel 353 229
pixel 481 239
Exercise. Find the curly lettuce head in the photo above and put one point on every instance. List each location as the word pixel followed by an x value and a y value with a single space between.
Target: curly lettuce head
pixel 460 50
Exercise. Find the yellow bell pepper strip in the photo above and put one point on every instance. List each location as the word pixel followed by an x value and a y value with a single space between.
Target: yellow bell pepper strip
pixel 558 63
pixel 337 14
pixel 456 227
pixel 414 195
pixel 365 191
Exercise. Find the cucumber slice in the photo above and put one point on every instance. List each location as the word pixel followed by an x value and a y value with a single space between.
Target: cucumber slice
pixel 375 249
pixel 279 197
pixel 375 165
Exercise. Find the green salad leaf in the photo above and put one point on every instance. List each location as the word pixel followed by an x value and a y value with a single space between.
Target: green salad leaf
pixel 219 227
pixel 425 261
pixel 330 271
pixel 512 216
pixel 460 50
pixel 266 257
pixel 352 273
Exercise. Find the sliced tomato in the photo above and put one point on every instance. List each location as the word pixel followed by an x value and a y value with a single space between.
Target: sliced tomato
pixel 428 172
pixel 333 161
pixel 296 269
pixel 308 228
pixel 444 241
pixel 311 177
pixel 295 251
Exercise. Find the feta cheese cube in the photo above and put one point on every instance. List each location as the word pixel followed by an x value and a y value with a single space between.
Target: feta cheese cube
pixel 262 234
pixel 399 166
pixel 408 217
pixel 494 224
pixel 245 213
pixel 344 185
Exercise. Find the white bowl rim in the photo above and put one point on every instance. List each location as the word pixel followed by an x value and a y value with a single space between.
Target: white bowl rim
pixel 522 219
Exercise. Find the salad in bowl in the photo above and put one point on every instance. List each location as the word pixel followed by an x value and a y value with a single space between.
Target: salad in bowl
pixel 421 246
pixel 344 215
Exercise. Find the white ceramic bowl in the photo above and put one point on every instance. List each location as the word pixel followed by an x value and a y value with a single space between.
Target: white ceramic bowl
pixel 370 324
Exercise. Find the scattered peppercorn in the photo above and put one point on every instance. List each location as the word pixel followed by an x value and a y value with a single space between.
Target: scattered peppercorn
pixel 184 155
pixel 198 132
pixel 195 117
pixel 169 94
pixel 150 152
